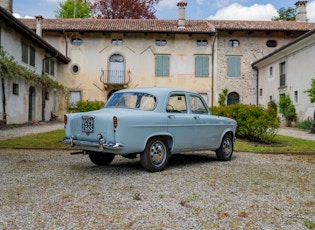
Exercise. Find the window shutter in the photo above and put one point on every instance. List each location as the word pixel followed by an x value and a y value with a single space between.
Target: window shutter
pixel 202 66
pixel 162 65
pixel 234 66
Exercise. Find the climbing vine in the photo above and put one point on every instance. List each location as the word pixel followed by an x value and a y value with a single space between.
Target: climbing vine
pixel 11 69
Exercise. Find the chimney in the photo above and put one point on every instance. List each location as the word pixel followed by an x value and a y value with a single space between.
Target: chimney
pixel 7 5
pixel 39 22
pixel 301 11
pixel 181 14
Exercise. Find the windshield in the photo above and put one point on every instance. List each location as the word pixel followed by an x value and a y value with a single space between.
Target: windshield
pixel 142 101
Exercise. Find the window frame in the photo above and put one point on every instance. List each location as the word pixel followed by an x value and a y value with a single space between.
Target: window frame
pixel 28 54
pixel 282 74
pixel 202 42
pixel 160 42
pixel 234 43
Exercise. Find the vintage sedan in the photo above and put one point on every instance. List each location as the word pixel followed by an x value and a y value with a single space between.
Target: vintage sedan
pixel 153 123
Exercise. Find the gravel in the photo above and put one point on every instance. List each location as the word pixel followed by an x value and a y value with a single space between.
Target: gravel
pixel 53 190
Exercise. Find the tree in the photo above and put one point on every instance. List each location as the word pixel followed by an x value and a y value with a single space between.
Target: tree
pixel 311 91
pixel 73 9
pixel 285 14
pixel 124 9
pixel 287 109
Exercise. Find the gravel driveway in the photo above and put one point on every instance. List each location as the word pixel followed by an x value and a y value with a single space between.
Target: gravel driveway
pixel 53 190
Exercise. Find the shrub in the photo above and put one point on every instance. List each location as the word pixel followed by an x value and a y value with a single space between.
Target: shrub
pixel 287 109
pixel 85 106
pixel 254 123
pixel 304 124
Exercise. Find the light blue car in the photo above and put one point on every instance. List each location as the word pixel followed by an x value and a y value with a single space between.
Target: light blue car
pixel 153 123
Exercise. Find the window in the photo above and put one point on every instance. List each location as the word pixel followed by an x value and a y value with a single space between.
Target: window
pixel 282 74
pixel 49 66
pixel 234 43
pixel 160 42
pixel 233 98
pixel 47 96
pixel 271 72
pixel 15 89
pixel 176 104
pixel 260 92
pixel 296 96
pixel 116 42
pixel 202 66
pixel 196 105
pixel 162 65
pixel 28 54
pixel 75 69
pixel 202 42
pixel 271 43
pixel 234 66
pixel 74 98
pixel 76 41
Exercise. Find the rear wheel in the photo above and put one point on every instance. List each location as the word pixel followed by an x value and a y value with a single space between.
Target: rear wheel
pixel 101 159
pixel 224 153
pixel 155 156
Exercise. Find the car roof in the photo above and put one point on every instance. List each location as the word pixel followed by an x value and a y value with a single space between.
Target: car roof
pixel 155 90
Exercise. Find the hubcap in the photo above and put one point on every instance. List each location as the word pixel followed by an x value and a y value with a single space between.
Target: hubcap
pixel 157 153
pixel 227 147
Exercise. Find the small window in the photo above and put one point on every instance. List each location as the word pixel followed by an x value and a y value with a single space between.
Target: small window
pixel 260 92
pixel 271 43
pixel 75 69
pixel 160 42
pixel 296 96
pixel 271 72
pixel 76 41
pixel 202 42
pixel 74 98
pixel 234 43
pixel 49 66
pixel 28 54
pixel 15 89
pixel 116 42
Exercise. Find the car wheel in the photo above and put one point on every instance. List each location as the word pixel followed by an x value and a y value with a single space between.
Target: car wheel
pixel 224 153
pixel 101 159
pixel 155 156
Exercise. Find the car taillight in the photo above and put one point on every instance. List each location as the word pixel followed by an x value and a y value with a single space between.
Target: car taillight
pixel 115 121
pixel 65 119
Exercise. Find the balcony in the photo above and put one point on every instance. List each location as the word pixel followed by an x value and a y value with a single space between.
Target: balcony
pixel 115 78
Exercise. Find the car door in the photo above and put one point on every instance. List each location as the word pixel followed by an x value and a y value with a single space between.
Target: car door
pixel 206 130
pixel 180 122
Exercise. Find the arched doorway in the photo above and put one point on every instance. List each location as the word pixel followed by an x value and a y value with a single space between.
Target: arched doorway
pixel 111 93
pixel 116 71
pixel 233 98
pixel 31 103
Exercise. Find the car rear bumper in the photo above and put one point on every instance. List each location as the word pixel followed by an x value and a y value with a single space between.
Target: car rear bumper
pixel 101 144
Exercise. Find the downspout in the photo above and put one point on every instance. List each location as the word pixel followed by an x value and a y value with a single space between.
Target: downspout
pixel 4 116
pixel 212 71
pixel 257 85
pixel 65 36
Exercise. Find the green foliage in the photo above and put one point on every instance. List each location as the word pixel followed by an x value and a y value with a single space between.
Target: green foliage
pixel 254 123
pixel 86 106
pixel 311 91
pixel 273 105
pixel 304 124
pixel 285 14
pixel 223 96
pixel 73 9
pixel 11 69
pixel 287 109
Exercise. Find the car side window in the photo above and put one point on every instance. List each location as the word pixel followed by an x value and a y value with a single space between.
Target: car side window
pixel 196 105
pixel 176 104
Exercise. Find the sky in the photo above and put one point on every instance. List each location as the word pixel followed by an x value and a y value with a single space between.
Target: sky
pixel 196 9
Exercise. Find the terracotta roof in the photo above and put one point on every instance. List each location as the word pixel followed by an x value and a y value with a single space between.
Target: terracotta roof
pixel 12 22
pixel 121 25
pixel 164 26
pixel 222 25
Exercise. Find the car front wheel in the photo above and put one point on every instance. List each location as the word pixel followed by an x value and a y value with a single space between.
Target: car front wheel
pixel 224 153
pixel 101 159
pixel 155 156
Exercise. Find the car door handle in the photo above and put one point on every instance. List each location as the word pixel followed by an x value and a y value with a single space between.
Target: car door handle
pixel 171 116
pixel 196 117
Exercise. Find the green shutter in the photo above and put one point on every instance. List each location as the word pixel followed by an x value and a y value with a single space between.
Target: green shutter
pixel 32 56
pixel 162 65
pixel 202 66
pixel 24 53
pixel 52 68
pixel 234 66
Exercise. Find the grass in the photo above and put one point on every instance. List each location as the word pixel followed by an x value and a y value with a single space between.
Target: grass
pixel 283 144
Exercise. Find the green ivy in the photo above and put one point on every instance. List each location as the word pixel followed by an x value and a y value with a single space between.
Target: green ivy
pixel 11 69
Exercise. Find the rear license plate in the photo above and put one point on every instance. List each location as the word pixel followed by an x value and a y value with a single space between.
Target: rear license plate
pixel 87 124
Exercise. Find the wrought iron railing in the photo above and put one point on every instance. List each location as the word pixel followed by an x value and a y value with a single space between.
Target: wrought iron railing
pixel 115 77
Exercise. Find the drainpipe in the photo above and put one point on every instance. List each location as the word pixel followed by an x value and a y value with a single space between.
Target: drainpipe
pixel 212 71
pixel 257 84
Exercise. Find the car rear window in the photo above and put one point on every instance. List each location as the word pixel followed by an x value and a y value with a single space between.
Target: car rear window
pixel 143 101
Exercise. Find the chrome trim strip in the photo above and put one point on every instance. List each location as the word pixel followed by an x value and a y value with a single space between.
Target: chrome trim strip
pixel 101 144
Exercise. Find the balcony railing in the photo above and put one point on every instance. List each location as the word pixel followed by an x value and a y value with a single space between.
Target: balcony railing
pixel 115 77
